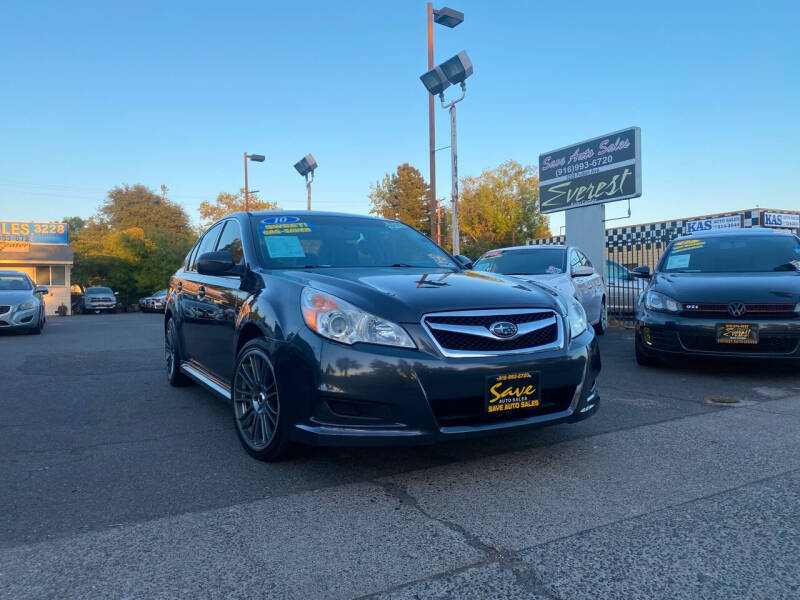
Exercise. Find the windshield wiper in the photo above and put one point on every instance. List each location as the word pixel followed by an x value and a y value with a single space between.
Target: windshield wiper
pixel 787 267
pixel 406 265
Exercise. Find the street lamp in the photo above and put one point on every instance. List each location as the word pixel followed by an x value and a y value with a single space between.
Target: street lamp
pixel 255 158
pixel 306 166
pixel 454 70
pixel 449 18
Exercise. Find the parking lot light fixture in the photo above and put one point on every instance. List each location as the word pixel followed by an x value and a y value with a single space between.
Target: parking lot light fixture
pixel 448 17
pixel 435 81
pixel 306 166
pixel 254 158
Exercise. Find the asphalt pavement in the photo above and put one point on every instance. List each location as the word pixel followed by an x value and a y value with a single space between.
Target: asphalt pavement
pixel 114 485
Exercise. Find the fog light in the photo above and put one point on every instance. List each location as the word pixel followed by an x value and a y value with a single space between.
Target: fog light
pixel 646 336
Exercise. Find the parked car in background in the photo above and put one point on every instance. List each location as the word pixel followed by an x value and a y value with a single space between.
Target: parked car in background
pixel 154 302
pixel 336 329
pixel 564 268
pixel 99 299
pixel 733 292
pixel 21 302
pixel 623 288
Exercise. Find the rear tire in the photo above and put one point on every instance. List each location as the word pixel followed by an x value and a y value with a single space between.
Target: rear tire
pixel 643 359
pixel 172 354
pixel 257 415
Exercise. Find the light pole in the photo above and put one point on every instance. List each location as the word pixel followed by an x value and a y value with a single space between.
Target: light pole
pixel 306 166
pixel 437 80
pixel 255 158
pixel 449 18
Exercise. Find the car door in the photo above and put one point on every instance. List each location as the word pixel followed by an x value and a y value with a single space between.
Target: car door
pixel 584 288
pixel 595 289
pixel 196 310
pixel 224 295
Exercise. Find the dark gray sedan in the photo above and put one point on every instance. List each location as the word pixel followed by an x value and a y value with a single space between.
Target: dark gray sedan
pixel 21 302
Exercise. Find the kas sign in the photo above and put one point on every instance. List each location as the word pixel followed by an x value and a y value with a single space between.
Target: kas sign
pixel 789 220
pixel 603 169
pixel 729 222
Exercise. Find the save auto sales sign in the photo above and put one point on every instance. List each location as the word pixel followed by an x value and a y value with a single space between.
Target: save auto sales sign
pixel 603 169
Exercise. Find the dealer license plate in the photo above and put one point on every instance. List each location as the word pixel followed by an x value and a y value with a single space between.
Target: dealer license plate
pixel 512 392
pixel 737 333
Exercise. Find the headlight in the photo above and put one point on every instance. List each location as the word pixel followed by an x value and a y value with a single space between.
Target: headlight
pixel 335 319
pixel 662 303
pixel 577 318
pixel 27 305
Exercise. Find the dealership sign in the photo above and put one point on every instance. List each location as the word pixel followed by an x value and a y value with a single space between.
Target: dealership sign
pixel 789 220
pixel 729 222
pixel 603 169
pixel 34 233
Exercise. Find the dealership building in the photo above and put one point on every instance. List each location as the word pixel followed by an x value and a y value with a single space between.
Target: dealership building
pixel 42 251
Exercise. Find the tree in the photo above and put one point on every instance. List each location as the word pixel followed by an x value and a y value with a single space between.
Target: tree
pixel 226 204
pixel 74 224
pixel 133 244
pixel 403 196
pixel 501 208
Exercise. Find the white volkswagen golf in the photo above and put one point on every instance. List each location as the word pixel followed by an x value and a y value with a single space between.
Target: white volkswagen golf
pixel 564 268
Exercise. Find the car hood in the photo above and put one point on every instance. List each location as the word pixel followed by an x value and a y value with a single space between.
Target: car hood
pixel 729 287
pixel 404 295
pixel 561 282
pixel 14 297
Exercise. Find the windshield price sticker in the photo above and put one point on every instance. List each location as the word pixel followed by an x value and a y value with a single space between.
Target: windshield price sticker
pixel 687 245
pixel 284 226
pixel 678 262
pixel 513 391
pixel 288 246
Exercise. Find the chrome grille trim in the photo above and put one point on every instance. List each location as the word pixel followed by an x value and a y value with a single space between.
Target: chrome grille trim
pixel 530 327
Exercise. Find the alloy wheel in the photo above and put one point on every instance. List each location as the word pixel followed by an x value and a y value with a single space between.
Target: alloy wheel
pixel 169 349
pixel 255 399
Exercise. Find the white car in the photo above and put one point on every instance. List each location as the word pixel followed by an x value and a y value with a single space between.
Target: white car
pixel 564 268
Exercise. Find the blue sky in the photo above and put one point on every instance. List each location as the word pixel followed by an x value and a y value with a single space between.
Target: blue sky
pixel 96 94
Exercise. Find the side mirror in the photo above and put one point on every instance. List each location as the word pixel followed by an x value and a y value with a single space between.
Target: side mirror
pixel 216 263
pixel 41 289
pixel 582 271
pixel 643 272
pixel 116 293
pixel 463 261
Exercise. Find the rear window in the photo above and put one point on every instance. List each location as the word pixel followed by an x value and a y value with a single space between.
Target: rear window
pixel 544 261
pixel 733 254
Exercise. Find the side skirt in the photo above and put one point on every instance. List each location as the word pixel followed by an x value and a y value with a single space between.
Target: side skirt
pixel 206 379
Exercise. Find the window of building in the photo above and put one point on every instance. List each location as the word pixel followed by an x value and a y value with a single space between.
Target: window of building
pixel 50 275
pixel 42 276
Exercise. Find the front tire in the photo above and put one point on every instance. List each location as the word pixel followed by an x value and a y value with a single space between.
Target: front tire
pixel 257 411
pixel 172 354
pixel 602 324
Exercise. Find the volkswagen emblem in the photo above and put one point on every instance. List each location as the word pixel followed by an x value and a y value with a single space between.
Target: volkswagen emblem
pixel 736 309
pixel 503 329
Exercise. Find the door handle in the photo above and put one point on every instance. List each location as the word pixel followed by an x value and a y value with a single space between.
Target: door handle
pixel 201 291
pixel 180 287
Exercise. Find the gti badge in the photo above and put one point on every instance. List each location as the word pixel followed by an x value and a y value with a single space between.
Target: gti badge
pixel 503 329
pixel 736 309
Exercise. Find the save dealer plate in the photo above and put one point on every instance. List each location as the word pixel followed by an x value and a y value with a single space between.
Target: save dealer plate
pixel 737 333
pixel 512 391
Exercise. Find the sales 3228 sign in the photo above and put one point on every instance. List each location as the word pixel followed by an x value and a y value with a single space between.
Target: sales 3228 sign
pixel 603 169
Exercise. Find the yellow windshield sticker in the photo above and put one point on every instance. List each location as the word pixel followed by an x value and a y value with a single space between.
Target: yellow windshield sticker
pixel 687 245
pixel 284 225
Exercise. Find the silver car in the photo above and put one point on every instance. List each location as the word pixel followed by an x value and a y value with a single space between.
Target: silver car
pixel 623 288
pixel 99 299
pixel 21 302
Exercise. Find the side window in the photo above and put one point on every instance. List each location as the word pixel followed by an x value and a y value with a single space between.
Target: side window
pixel 207 244
pixel 574 260
pixel 190 257
pixel 584 261
pixel 231 240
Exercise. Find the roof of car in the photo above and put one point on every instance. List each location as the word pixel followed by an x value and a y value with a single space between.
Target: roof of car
pixel 744 231
pixel 529 247
pixel 303 213
pixel 10 272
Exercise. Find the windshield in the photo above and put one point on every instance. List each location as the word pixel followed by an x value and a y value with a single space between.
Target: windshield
pixel 733 254
pixel 542 261
pixel 308 241
pixel 14 283
pixel 99 290
pixel 159 293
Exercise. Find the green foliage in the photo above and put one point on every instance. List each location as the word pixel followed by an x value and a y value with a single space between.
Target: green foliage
pixel 402 196
pixel 133 244
pixel 74 224
pixel 500 208
pixel 226 204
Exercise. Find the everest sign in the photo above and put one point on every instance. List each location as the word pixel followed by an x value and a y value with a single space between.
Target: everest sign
pixel 603 169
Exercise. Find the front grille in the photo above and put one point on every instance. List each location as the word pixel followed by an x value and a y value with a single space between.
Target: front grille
pixel 765 345
pixel 763 310
pixel 464 343
pixel 93 300
pixel 4 308
pixel 453 412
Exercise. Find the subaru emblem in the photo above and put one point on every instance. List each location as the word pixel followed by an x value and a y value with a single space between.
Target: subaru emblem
pixel 503 329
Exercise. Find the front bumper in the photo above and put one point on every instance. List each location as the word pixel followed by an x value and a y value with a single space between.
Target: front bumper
pixel 89 306
pixel 19 319
pixel 367 395
pixel 665 334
